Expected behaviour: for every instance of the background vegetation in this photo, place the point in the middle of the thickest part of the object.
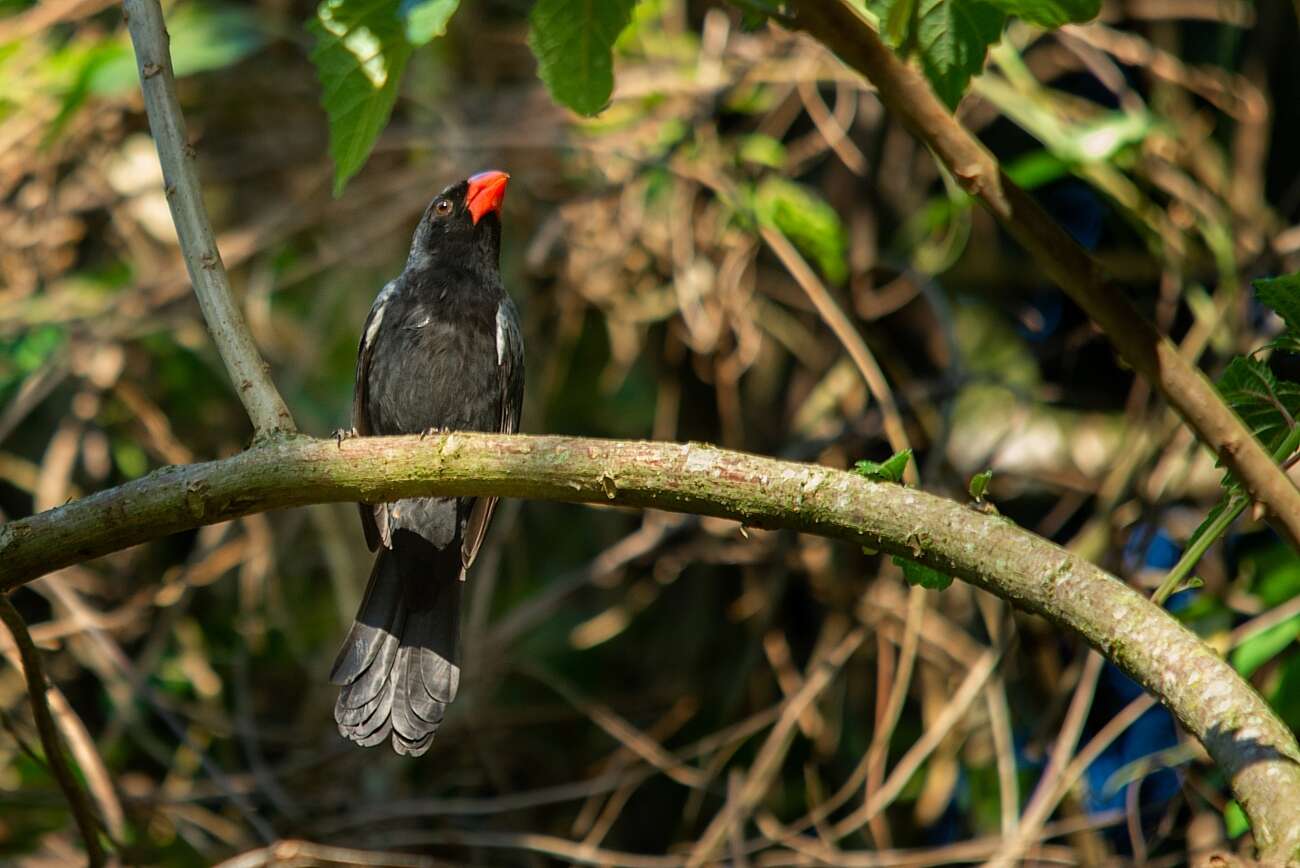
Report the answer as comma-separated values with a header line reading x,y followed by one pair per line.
x,y
624,671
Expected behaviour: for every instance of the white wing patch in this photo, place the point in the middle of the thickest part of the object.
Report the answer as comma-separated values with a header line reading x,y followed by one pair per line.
x,y
381,301
501,334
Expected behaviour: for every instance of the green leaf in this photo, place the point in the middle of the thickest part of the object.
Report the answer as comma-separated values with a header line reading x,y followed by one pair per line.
x,y
953,38
426,19
897,21
762,150
808,221
1259,398
754,13
1050,13
1234,820
360,54
1263,647
573,41
1286,342
890,470
1209,519
1285,696
920,574
979,484
1282,296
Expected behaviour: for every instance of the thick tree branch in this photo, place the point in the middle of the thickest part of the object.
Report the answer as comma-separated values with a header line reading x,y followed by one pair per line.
x,y
839,25
1255,749
247,370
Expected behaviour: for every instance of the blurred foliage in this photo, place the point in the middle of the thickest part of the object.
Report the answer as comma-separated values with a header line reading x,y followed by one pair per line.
x,y
597,640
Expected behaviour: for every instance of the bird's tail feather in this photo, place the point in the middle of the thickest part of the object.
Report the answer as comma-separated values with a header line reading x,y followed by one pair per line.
x,y
399,668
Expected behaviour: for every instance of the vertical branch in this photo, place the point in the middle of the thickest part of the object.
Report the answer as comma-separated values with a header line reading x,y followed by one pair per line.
x,y
50,741
265,408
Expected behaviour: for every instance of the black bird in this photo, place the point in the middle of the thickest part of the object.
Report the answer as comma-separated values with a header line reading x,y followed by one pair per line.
x,y
440,351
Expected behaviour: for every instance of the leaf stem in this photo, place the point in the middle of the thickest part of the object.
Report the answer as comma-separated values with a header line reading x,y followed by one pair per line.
x,y
1234,506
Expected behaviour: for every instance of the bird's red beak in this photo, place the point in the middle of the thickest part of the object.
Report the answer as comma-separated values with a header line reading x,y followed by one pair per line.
x,y
486,190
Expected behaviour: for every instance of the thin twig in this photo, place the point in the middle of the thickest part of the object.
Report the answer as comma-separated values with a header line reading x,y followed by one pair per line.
x,y
948,717
265,408
78,801
849,337
878,749
768,761
1045,798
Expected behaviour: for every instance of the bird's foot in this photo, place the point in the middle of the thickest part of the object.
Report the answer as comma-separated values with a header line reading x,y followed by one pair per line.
x,y
341,434
427,431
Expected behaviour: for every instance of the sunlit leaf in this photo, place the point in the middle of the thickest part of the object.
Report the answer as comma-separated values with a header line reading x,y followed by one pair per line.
x,y
762,150
808,221
1264,646
979,484
360,54
1234,820
573,41
889,470
426,19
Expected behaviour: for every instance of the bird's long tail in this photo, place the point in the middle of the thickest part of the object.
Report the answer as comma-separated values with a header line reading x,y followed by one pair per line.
x,y
399,668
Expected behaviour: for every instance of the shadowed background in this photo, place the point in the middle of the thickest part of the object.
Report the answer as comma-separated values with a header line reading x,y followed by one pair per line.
x,y
624,671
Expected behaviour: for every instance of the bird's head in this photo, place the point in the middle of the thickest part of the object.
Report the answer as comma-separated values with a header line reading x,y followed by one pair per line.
x,y
463,220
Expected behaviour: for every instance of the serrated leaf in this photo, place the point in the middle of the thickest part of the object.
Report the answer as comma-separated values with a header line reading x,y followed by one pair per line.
x,y
920,574
573,41
1259,398
1282,296
360,54
1050,13
808,221
889,470
953,39
1209,519
1287,342
426,19
979,484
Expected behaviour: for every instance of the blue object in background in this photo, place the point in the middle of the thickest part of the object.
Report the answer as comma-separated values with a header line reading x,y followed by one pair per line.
x,y
1077,208
1153,732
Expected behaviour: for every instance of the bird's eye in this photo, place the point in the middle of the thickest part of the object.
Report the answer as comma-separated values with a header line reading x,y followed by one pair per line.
x,y
442,207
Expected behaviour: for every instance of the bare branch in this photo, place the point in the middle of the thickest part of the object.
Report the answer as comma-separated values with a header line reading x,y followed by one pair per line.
x,y
78,802
1253,747
265,408
839,25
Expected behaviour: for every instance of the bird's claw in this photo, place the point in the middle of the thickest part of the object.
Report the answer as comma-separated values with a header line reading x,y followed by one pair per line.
x,y
341,434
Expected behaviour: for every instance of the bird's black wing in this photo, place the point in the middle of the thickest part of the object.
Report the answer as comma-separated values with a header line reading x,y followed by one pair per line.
x,y
370,514
510,367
